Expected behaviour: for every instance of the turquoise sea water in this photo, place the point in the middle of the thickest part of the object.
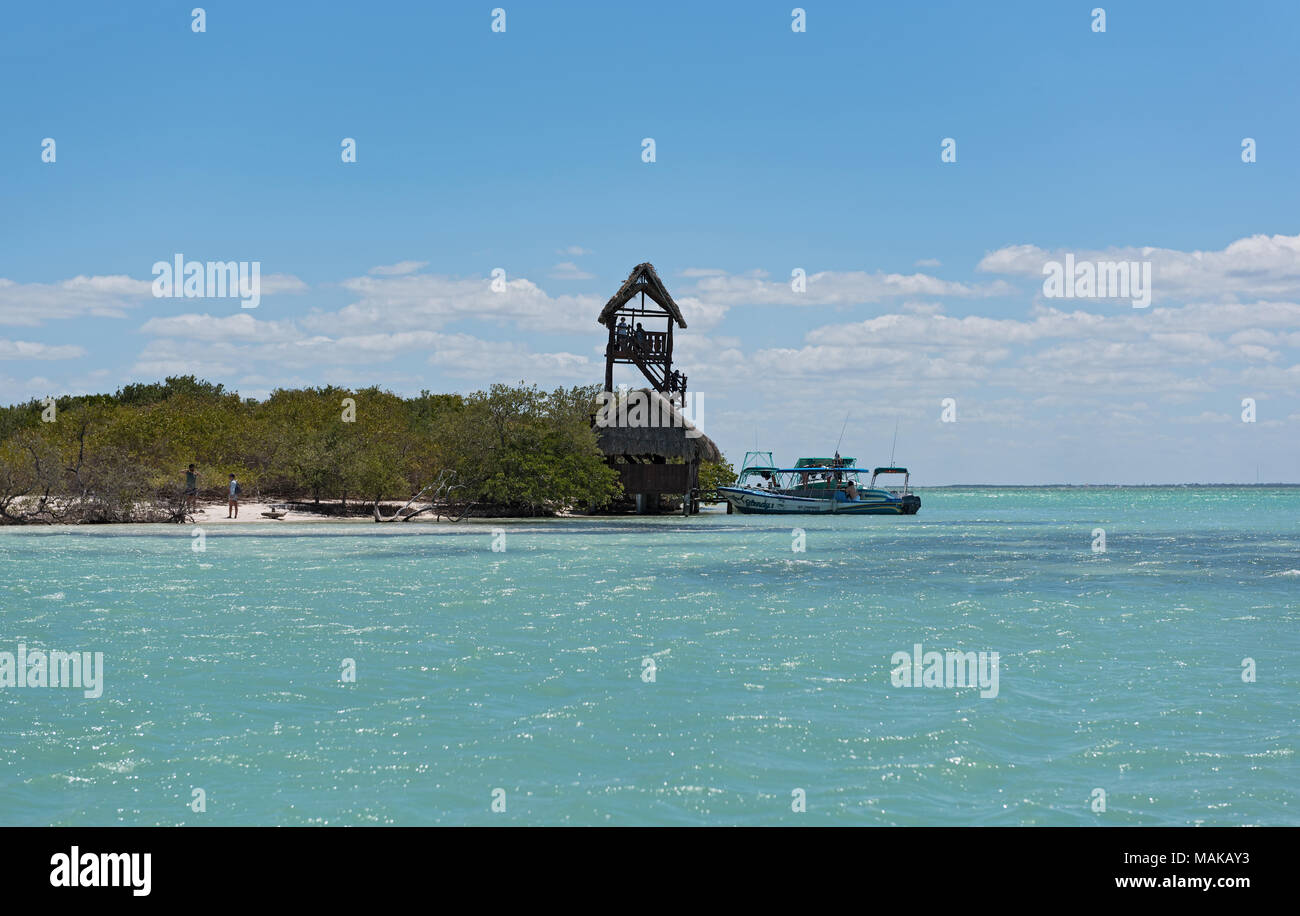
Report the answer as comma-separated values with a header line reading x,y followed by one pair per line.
x,y
521,670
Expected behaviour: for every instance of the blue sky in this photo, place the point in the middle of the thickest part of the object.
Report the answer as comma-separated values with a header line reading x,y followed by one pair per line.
x,y
774,151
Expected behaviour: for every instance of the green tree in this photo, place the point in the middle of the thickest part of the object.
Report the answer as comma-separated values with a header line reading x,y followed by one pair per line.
x,y
714,474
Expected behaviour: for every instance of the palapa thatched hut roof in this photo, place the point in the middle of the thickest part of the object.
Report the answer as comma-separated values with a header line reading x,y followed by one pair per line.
x,y
665,436
642,279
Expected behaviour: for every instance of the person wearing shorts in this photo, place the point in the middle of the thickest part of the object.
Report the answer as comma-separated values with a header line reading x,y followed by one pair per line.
x,y
232,506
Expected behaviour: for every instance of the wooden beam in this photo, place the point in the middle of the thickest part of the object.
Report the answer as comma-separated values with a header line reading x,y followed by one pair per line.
x,y
609,361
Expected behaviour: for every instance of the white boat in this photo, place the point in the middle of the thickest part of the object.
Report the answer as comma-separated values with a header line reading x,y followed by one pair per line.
x,y
816,486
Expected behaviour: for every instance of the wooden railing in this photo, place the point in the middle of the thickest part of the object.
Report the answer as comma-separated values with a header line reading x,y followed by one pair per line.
x,y
653,345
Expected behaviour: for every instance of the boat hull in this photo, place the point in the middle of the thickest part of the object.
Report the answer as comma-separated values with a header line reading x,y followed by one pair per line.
x,y
759,502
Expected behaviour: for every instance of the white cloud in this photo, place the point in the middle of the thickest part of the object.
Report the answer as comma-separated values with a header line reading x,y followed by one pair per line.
x,y
22,349
833,288
701,314
240,326
30,304
399,269
241,345
427,300
567,270
463,356
273,284
1077,357
1260,266
708,301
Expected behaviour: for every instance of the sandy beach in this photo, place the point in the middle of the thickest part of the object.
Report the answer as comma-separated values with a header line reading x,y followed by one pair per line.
x,y
215,514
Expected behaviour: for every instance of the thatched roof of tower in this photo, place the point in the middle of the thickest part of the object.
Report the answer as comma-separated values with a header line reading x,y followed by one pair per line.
x,y
664,436
643,278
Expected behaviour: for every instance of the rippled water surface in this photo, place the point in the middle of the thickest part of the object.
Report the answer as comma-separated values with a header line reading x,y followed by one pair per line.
x,y
522,670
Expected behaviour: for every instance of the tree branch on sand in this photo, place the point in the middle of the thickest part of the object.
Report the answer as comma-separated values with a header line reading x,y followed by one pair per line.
x,y
442,489
174,504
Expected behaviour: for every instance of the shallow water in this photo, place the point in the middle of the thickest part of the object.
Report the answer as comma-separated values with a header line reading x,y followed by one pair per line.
x,y
522,669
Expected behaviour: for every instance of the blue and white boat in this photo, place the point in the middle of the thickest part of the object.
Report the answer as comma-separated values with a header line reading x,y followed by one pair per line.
x,y
816,486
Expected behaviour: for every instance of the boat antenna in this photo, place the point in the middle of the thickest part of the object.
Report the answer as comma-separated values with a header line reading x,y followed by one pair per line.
x,y
842,428
895,442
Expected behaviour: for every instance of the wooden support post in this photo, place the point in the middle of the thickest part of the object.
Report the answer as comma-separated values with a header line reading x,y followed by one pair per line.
x,y
609,361
668,361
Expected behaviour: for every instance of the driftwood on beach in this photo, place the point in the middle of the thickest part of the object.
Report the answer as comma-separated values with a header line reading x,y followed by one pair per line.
x,y
442,488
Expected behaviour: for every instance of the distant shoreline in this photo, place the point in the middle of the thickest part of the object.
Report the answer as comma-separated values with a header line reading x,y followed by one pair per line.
x,y
214,513
1097,486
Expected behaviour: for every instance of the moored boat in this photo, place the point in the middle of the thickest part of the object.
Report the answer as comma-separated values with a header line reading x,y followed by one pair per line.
x,y
816,486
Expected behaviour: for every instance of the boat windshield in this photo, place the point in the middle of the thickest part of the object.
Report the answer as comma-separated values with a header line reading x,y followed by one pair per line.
x,y
759,476
882,471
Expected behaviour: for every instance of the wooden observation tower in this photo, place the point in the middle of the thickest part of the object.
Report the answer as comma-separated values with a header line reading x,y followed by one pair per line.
x,y
663,456
631,343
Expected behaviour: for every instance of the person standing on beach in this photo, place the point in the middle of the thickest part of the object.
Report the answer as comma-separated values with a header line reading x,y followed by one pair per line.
x,y
191,488
232,506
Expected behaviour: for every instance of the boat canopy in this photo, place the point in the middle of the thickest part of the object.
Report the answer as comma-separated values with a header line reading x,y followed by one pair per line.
x,y
803,463
813,469
890,471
